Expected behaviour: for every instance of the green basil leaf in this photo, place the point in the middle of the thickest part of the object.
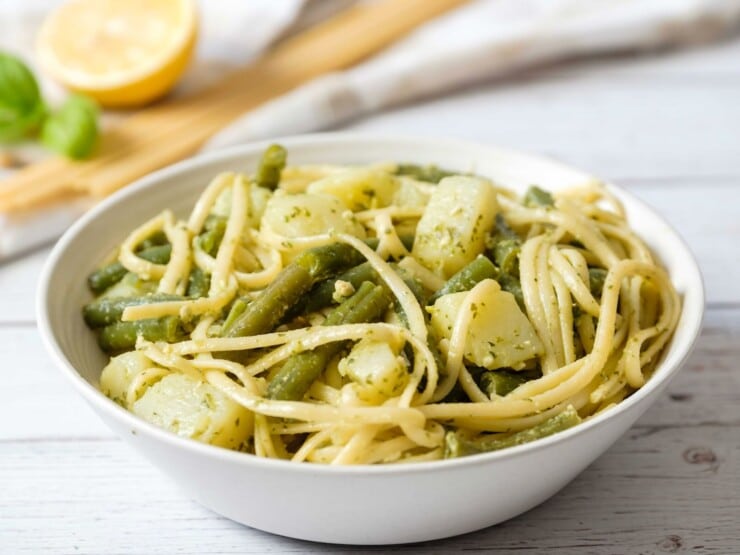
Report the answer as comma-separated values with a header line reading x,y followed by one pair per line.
x,y
73,129
14,126
21,106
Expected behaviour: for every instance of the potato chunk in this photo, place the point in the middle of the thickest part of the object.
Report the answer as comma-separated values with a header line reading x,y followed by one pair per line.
x,y
376,368
452,230
120,372
499,336
359,188
194,409
309,214
409,194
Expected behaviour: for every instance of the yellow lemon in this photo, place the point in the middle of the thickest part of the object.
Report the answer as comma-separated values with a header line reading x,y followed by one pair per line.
x,y
123,53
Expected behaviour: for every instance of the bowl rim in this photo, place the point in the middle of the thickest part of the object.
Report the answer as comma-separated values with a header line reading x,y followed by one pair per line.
x,y
103,404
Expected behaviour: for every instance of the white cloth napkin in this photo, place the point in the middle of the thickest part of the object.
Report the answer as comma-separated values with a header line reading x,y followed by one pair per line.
x,y
485,39
482,40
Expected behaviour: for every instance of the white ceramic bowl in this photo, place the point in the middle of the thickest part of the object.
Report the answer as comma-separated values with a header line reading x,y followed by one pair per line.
x,y
353,505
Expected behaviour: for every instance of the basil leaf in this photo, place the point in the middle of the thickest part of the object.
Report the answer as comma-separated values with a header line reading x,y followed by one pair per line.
x,y
73,129
21,106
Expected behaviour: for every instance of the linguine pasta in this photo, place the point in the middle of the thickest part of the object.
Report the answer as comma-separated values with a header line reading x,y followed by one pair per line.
x,y
379,314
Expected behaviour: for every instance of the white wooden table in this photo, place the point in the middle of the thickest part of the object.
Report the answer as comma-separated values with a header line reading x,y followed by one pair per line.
x,y
668,128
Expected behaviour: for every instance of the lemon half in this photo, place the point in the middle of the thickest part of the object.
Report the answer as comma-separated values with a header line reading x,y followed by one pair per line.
x,y
123,53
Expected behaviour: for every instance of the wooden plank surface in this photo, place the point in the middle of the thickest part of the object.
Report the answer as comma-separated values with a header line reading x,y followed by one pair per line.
x,y
664,126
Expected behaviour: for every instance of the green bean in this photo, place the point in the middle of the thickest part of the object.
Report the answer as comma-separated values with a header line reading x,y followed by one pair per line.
x,y
121,336
433,344
468,277
294,281
512,285
105,277
458,446
417,289
366,304
298,372
506,255
538,198
503,229
264,313
237,308
210,238
596,279
500,382
323,294
108,310
505,248
430,174
270,166
323,262
476,271
199,283
355,275
159,254
213,221
156,239
112,273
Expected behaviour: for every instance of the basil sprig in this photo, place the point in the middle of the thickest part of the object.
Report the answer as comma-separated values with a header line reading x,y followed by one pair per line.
x,y
21,106
71,130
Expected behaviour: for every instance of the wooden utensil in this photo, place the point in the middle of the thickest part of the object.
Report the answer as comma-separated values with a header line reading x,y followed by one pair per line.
x,y
167,132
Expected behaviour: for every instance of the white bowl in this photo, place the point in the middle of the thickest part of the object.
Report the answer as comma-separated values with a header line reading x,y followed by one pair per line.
x,y
365,504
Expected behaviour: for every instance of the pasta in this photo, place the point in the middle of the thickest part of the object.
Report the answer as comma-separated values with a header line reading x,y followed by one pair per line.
x,y
379,314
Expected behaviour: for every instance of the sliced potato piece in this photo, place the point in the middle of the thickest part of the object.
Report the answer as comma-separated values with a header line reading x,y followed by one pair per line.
x,y
452,230
499,336
194,409
309,214
409,194
120,372
376,368
359,188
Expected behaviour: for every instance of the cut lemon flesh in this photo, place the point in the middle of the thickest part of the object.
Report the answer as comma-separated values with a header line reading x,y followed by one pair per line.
x,y
120,52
